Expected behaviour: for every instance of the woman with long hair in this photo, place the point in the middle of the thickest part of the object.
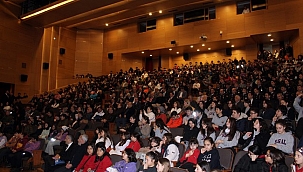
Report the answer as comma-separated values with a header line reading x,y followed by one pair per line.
x,y
123,143
298,164
103,136
129,162
160,128
87,160
258,136
210,154
206,130
229,135
145,128
102,160
150,163
275,161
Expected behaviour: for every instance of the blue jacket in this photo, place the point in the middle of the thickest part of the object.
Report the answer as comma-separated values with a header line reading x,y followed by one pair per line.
x,y
122,166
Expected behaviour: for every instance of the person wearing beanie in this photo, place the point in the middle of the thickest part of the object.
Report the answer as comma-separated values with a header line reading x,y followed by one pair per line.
x,y
298,163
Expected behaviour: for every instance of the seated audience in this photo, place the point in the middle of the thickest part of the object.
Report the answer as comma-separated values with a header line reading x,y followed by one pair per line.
x,y
206,130
145,128
102,160
123,143
160,128
169,148
229,136
189,158
135,143
202,166
210,154
87,160
175,120
128,164
298,164
56,140
219,119
103,136
275,161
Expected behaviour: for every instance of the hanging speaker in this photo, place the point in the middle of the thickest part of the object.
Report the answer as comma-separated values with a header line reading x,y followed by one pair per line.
x,y
62,51
23,78
110,55
45,65
185,56
228,51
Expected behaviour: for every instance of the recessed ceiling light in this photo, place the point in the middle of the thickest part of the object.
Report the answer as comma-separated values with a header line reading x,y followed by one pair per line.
x,y
106,24
227,42
150,55
198,49
232,45
150,14
191,46
160,11
177,52
54,37
170,49
269,35
142,52
203,45
209,48
271,40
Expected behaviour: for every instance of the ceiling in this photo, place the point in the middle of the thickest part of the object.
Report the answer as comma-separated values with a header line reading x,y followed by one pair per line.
x,y
94,14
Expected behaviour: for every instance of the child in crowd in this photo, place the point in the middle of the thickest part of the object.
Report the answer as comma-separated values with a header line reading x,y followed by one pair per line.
x,y
135,143
206,130
189,158
210,154
229,135
298,164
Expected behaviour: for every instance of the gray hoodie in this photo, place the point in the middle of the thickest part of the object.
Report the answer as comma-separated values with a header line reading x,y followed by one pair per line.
x,y
284,142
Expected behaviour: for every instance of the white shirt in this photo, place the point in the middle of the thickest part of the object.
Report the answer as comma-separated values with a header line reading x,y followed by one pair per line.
x,y
68,146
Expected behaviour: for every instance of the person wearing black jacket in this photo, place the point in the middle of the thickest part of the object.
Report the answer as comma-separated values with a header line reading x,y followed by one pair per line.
x,y
251,162
259,136
78,155
210,154
61,159
190,131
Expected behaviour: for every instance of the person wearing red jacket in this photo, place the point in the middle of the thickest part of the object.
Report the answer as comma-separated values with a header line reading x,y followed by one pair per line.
x,y
102,160
189,159
88,160
135,143
175,120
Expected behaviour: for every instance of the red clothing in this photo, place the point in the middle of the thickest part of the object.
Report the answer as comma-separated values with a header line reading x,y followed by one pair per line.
x,y
134,146
174,123
88,161
193,158
102,165
163,117
299,170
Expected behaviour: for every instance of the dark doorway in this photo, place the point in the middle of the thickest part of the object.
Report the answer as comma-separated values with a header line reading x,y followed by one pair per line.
x,y
5,87
149,64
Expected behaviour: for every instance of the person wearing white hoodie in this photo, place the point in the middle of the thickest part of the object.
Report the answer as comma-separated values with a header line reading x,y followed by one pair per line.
x,y
169,148
282,140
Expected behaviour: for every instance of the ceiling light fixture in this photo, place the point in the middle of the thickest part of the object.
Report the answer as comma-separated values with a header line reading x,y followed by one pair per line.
x,y
232,46
142,52
47,9
271,40
150,14
269,35
106,24
203,45
198,49
150,55
227,42
191,46
177,52
170,49
160,11
209,48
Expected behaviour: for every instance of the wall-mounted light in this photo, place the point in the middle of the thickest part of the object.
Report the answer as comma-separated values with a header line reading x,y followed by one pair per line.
x,y
221,32
150,14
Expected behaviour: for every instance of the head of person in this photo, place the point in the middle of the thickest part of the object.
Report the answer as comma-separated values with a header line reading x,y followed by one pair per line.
x,y
100,151
134,137
299,157
103,133
83,138
90,149
132,119
209,143
260,125
177,104
254,113
274,157
253,152
191,123
151,158
219,109
206,125
236,113
202,166
129,155
193,144
281,126
68,139
174,115
189,111
281,111
230,128
155,141
163,165
167,138
160,124
145,119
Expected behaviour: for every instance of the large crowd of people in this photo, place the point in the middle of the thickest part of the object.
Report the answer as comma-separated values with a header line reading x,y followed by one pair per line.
x,y
253,106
